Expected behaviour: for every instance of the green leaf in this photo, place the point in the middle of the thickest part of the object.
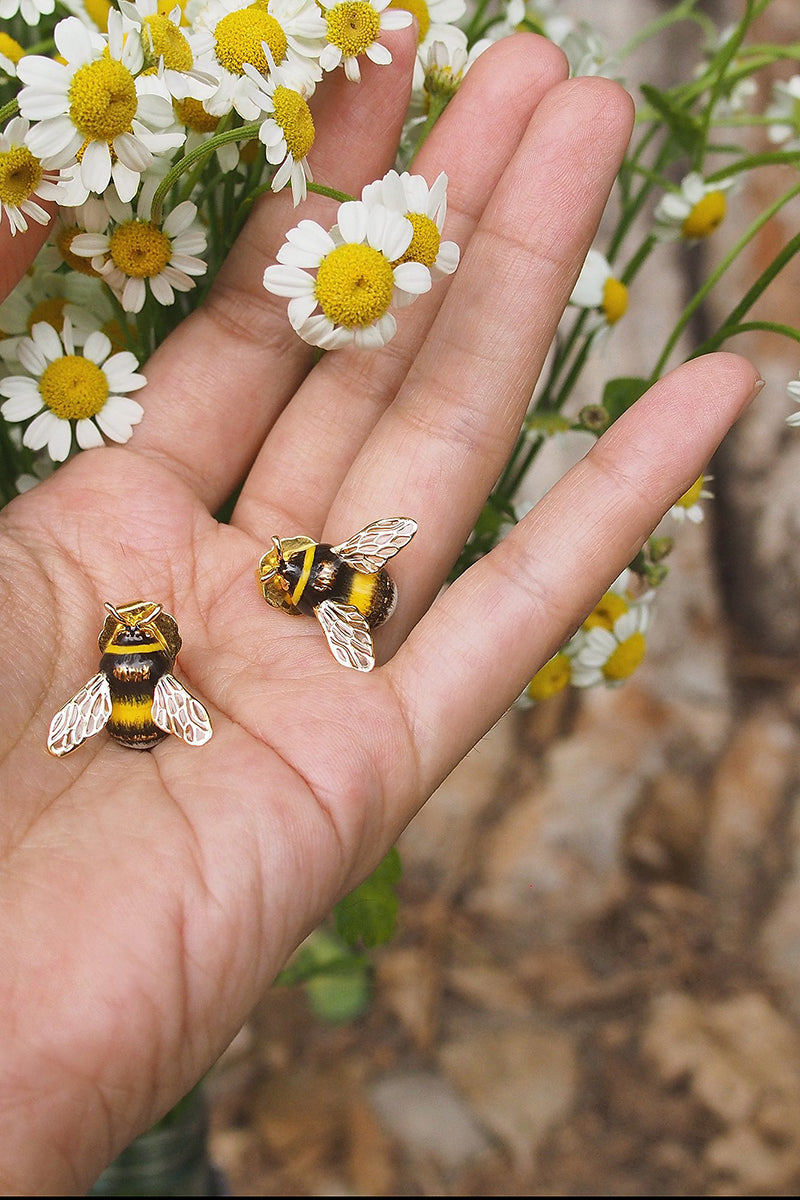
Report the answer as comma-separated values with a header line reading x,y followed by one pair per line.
x,y
369,913
685,128
619,394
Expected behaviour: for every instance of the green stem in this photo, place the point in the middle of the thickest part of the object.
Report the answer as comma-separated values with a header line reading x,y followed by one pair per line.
x,y
727,331
242,133
751,161
333,193
9,110
716,275
438,102
681,12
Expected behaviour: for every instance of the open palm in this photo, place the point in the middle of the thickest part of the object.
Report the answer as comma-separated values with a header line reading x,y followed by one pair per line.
x,y
148,899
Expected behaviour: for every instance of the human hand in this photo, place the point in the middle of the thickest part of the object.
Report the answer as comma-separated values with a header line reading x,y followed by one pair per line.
x,y
149,899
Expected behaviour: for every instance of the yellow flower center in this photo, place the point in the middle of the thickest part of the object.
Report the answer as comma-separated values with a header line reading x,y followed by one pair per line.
x,y
51,310
64,239
425,240
615,300
705,216
20,175
192,114
604,614
692,495
551,679
139,249
239,36
74,388
418,9
102,99
168,42
98,10
354,285
294,117
10,49
626,658
353,26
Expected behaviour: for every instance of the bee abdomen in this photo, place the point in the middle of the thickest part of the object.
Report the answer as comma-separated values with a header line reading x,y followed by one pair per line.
x,y
132,677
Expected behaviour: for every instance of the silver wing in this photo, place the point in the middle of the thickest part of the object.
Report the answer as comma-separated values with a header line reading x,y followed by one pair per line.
x,y
177,711
348,634
81,717
370,548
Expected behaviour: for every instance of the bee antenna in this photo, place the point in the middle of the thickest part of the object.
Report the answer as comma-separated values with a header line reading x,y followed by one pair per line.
x,y
157,610
277,544
117,615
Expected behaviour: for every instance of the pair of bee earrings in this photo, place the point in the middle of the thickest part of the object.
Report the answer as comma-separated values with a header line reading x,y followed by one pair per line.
x,y
139,701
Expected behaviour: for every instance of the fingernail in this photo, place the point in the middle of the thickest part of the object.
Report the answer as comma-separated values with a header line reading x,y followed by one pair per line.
x,y
757,386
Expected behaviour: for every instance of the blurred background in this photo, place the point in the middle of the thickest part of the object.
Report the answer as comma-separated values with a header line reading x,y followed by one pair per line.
x,y
594,987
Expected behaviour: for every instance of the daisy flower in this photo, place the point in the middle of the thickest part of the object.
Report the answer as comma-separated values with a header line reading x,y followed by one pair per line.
x,y
446,61
10,54
353,28
134,252
692,212
30,10
793,389
549,680
611,655
599,290
351,274
425,207
688,507
66,390
168,51
784,114
292,30
90,108
50,296
23,176
288,129
90,217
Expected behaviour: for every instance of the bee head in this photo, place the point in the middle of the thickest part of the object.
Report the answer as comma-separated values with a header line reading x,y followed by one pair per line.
x,y
139,623
272,566
271,571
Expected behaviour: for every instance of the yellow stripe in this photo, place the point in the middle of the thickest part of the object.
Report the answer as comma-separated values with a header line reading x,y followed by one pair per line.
x,y
142,649
304,574
362,591
132,711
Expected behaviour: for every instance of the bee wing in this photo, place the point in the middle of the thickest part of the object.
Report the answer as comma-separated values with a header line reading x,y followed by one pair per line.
x,y
370,548
81,717
177,711
348,634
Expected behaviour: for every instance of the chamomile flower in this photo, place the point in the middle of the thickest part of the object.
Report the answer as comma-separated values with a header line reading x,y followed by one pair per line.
x,y
783,114
23,179
549,680
67,391
10,54
287,132
31,11
692,212
688,507
425,207
611,654
135,253
51,296
445,62
341,282
598,289
170,52
353,29
90,107
292,30
793,389
90,217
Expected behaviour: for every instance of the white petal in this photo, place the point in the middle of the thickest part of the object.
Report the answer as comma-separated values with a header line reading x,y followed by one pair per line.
x,y
180,218
353,219
30,356
126,181
37,434
121,372
378,53
288,281
300,309
47,340
590,285
74,41
447,259
87,435
397,235
117,417
161,289
397,18
412,277
133,295
97,347
19,408
132,153
96,166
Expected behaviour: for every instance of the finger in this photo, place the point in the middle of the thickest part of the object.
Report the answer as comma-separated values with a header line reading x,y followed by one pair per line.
x,y
485,638
18,252
224,374
341,401
439,449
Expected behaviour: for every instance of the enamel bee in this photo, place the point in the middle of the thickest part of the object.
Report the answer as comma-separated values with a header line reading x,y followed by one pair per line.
x,y
345,587
134,696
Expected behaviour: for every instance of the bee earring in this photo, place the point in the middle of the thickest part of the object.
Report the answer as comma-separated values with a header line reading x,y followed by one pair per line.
x,y
133,695
345,587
